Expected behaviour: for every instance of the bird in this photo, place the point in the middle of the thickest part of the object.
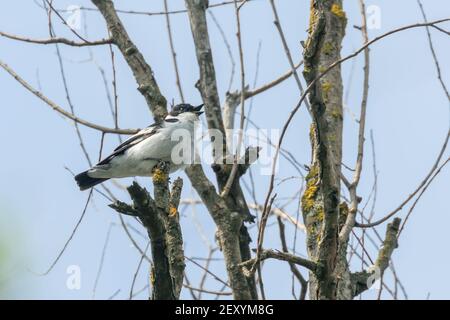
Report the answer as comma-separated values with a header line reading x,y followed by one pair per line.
x,y
138,155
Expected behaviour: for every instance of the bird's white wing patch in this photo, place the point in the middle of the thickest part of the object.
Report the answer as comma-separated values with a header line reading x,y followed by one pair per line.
x,y
132,141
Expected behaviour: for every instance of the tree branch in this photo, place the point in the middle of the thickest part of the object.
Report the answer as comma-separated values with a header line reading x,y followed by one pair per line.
x,y
174,236
232,233
148,214
56,40
207,84
60,110
272,254
228,224
322,196
359,280
350,221
161,219
141,70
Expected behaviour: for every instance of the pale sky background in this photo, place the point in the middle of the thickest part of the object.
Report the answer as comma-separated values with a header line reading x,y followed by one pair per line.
x,y
40,202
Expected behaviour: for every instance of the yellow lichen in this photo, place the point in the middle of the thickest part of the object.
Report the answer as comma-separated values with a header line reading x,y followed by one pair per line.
x,y
343,212
306,70
309,195
336,9
326,87
308,198
159,176
173,211
336,113
327,48
312,131
319,237
312,16
320,214
343,209
312,228
152,276
332,138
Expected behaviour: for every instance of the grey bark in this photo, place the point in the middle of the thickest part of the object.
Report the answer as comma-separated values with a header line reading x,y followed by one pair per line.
x,y
321,198
234,203
160,217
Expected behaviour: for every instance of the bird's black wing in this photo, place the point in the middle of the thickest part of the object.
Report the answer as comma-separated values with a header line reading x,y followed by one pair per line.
x,y
132,141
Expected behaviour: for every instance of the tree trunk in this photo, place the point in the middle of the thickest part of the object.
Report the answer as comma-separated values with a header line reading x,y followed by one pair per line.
x,y
321,199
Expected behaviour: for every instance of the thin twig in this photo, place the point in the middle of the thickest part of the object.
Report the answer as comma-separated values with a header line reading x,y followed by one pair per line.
x,y
66,244
227,45
272,254
219,293
421,194
172,50
205,274
56,40
71,106
352,188
294,270
211,273
102,260
226,189
287,50
60,110
137,271
313,82
65,22
160,13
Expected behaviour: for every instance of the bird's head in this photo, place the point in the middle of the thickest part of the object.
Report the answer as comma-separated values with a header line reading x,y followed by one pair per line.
x,y
184,108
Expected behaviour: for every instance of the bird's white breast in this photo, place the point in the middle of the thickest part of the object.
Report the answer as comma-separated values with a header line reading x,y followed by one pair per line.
x,y
142,157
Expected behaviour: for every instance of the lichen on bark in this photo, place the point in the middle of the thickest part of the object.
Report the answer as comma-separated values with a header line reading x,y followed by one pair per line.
x,y
321,199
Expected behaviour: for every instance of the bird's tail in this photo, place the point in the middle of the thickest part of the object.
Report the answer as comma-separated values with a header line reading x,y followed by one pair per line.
x,y
84,181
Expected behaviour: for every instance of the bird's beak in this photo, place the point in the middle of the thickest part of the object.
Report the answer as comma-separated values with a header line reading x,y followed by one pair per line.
x,y
197,109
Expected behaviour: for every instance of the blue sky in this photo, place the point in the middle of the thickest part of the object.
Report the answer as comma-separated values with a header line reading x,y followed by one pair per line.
x,y
40,203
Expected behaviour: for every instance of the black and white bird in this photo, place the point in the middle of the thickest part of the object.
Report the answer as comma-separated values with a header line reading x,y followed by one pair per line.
x,y
138,155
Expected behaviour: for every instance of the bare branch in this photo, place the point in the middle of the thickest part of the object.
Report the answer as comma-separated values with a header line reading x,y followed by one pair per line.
x,y
51,8
172,50
422,192
234,168
60,110
72,234
141,70
141,259
294,270
160,13
287,50
273,83
319,76
359,279
272,254
160,218
227,45
350,221
56,40
207,83
228,224
174,236
207,291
